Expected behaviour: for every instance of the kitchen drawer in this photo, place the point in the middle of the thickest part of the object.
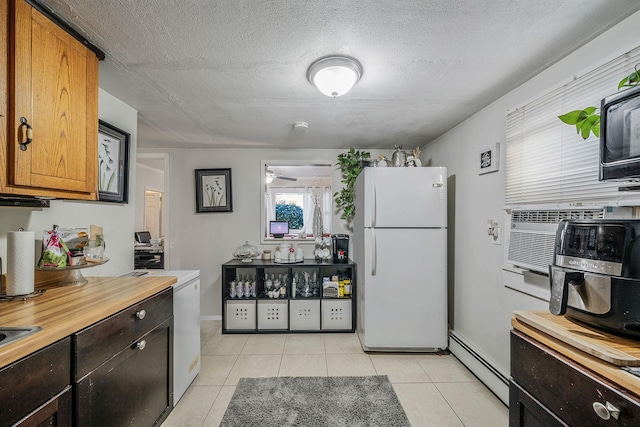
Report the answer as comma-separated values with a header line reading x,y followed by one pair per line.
x,y
34,380
305,315
96,343
566,388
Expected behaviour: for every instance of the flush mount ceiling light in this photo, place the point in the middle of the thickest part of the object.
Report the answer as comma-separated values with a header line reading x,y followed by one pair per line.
x,y
334,75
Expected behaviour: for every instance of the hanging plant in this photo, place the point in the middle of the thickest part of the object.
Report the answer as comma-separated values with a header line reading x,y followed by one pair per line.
x,y
587,121
351,164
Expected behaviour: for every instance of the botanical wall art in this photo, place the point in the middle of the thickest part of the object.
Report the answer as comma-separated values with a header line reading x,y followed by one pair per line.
x,y
113,163
213,190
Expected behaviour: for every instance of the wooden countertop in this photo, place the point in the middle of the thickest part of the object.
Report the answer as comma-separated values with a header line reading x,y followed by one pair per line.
x,y
608,370
64,310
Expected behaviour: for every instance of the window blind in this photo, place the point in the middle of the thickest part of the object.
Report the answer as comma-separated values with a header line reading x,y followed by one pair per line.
x,y
546,160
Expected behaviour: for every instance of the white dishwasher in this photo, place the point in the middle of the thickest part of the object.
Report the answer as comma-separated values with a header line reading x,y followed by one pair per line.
x,y
186,327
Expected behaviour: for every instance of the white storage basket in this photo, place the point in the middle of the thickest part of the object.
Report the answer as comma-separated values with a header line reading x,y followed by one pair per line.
x,y
305,315
241,315
273,314
336,314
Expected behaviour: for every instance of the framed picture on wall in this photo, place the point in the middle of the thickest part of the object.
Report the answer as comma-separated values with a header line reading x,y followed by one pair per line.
x,y
113,163
488,158
213,190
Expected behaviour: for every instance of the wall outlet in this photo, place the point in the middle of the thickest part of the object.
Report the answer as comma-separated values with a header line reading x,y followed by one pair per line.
x,y
497,236
494,232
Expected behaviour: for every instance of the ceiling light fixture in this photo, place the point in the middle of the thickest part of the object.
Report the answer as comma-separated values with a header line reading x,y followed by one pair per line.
x,y
334,75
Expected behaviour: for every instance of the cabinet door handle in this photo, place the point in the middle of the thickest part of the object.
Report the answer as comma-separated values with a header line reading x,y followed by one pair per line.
x,y
141,314
28,133
141,345
606,411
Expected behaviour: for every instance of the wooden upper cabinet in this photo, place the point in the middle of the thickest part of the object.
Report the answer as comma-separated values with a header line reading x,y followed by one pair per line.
x,y
53,92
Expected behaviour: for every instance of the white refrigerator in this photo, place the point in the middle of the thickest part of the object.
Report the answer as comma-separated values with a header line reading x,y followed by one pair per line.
x,y
400,248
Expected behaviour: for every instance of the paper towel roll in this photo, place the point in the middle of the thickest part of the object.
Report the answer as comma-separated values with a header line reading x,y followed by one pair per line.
x,y
20,262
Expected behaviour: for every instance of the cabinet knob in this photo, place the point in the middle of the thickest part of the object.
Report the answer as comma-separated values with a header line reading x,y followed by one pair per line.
x,y
606,411
141,314
28,133
141,345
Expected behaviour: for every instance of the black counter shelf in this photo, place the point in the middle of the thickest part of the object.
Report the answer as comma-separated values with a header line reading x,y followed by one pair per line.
x,y
261,314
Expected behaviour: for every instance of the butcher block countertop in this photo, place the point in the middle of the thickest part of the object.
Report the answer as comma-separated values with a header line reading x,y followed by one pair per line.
x,y
598,351
64,310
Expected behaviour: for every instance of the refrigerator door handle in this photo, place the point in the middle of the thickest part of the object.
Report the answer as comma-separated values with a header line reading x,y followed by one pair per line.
x,y
374,253
373,202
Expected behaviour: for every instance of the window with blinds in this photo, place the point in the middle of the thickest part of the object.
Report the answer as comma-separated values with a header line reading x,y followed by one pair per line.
x,y
546,160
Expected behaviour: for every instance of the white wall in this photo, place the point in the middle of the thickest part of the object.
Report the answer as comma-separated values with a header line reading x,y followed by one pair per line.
x,y
482,306
205,241
116,219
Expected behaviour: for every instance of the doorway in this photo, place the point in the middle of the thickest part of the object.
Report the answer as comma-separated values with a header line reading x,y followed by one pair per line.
x,y
153,212
152,197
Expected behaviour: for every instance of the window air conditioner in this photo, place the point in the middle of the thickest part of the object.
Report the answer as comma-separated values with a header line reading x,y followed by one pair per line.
x,y
532,233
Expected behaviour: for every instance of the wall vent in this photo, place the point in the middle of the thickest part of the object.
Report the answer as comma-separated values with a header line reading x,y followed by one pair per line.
x,y
532,233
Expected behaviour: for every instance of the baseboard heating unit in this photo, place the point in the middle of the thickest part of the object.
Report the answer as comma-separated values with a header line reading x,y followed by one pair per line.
x,y
496,380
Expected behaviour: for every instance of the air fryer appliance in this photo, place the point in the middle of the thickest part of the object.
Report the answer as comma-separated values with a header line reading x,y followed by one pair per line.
x,y
340,245
595,275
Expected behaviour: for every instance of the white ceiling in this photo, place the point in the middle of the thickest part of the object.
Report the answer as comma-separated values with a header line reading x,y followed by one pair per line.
x,y
232,73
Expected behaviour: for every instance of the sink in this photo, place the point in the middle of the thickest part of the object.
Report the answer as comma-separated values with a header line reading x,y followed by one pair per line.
x,y
9,335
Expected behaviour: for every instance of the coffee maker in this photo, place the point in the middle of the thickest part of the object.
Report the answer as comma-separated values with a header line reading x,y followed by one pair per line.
x,y
340,246
595,275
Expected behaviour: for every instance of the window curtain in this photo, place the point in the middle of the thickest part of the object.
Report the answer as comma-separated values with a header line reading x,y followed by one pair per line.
x,y
326,208
307,214
269,207
546,161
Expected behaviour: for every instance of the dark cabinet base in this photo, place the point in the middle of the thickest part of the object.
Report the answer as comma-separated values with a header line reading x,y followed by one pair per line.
x,y
551,389
526,411
134,388
30,388
57,412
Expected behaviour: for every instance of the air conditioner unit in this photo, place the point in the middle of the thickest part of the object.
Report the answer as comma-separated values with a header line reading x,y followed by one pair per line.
x,y
532,233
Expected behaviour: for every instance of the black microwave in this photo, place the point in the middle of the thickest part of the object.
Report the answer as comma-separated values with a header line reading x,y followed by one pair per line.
x,y
620,136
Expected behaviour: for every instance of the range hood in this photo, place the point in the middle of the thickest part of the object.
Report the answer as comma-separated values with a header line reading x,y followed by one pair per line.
x,y
29,202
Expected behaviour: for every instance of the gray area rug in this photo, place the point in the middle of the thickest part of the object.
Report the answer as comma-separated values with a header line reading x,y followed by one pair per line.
x,y
315,401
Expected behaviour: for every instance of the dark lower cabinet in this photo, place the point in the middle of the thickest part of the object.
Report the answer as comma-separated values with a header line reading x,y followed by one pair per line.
x,y
131,389
57,412
116,372
36,390
550,389
525,410
123,373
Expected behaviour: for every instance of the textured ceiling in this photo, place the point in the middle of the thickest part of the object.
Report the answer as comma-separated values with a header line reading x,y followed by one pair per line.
x,y
232,73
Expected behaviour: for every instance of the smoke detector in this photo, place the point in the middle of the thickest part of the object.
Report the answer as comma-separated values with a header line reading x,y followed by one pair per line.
x,y
301,126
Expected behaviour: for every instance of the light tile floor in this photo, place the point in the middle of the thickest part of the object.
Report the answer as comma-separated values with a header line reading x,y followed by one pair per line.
x,y
434,390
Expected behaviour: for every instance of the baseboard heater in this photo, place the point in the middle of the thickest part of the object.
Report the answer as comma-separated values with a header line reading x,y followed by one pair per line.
x,y
486,372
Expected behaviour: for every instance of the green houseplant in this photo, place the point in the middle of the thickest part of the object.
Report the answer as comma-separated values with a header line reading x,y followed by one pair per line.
x,y
587,121
351,164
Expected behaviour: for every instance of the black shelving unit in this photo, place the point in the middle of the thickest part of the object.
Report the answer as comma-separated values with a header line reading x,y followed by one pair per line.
x,y
286,313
